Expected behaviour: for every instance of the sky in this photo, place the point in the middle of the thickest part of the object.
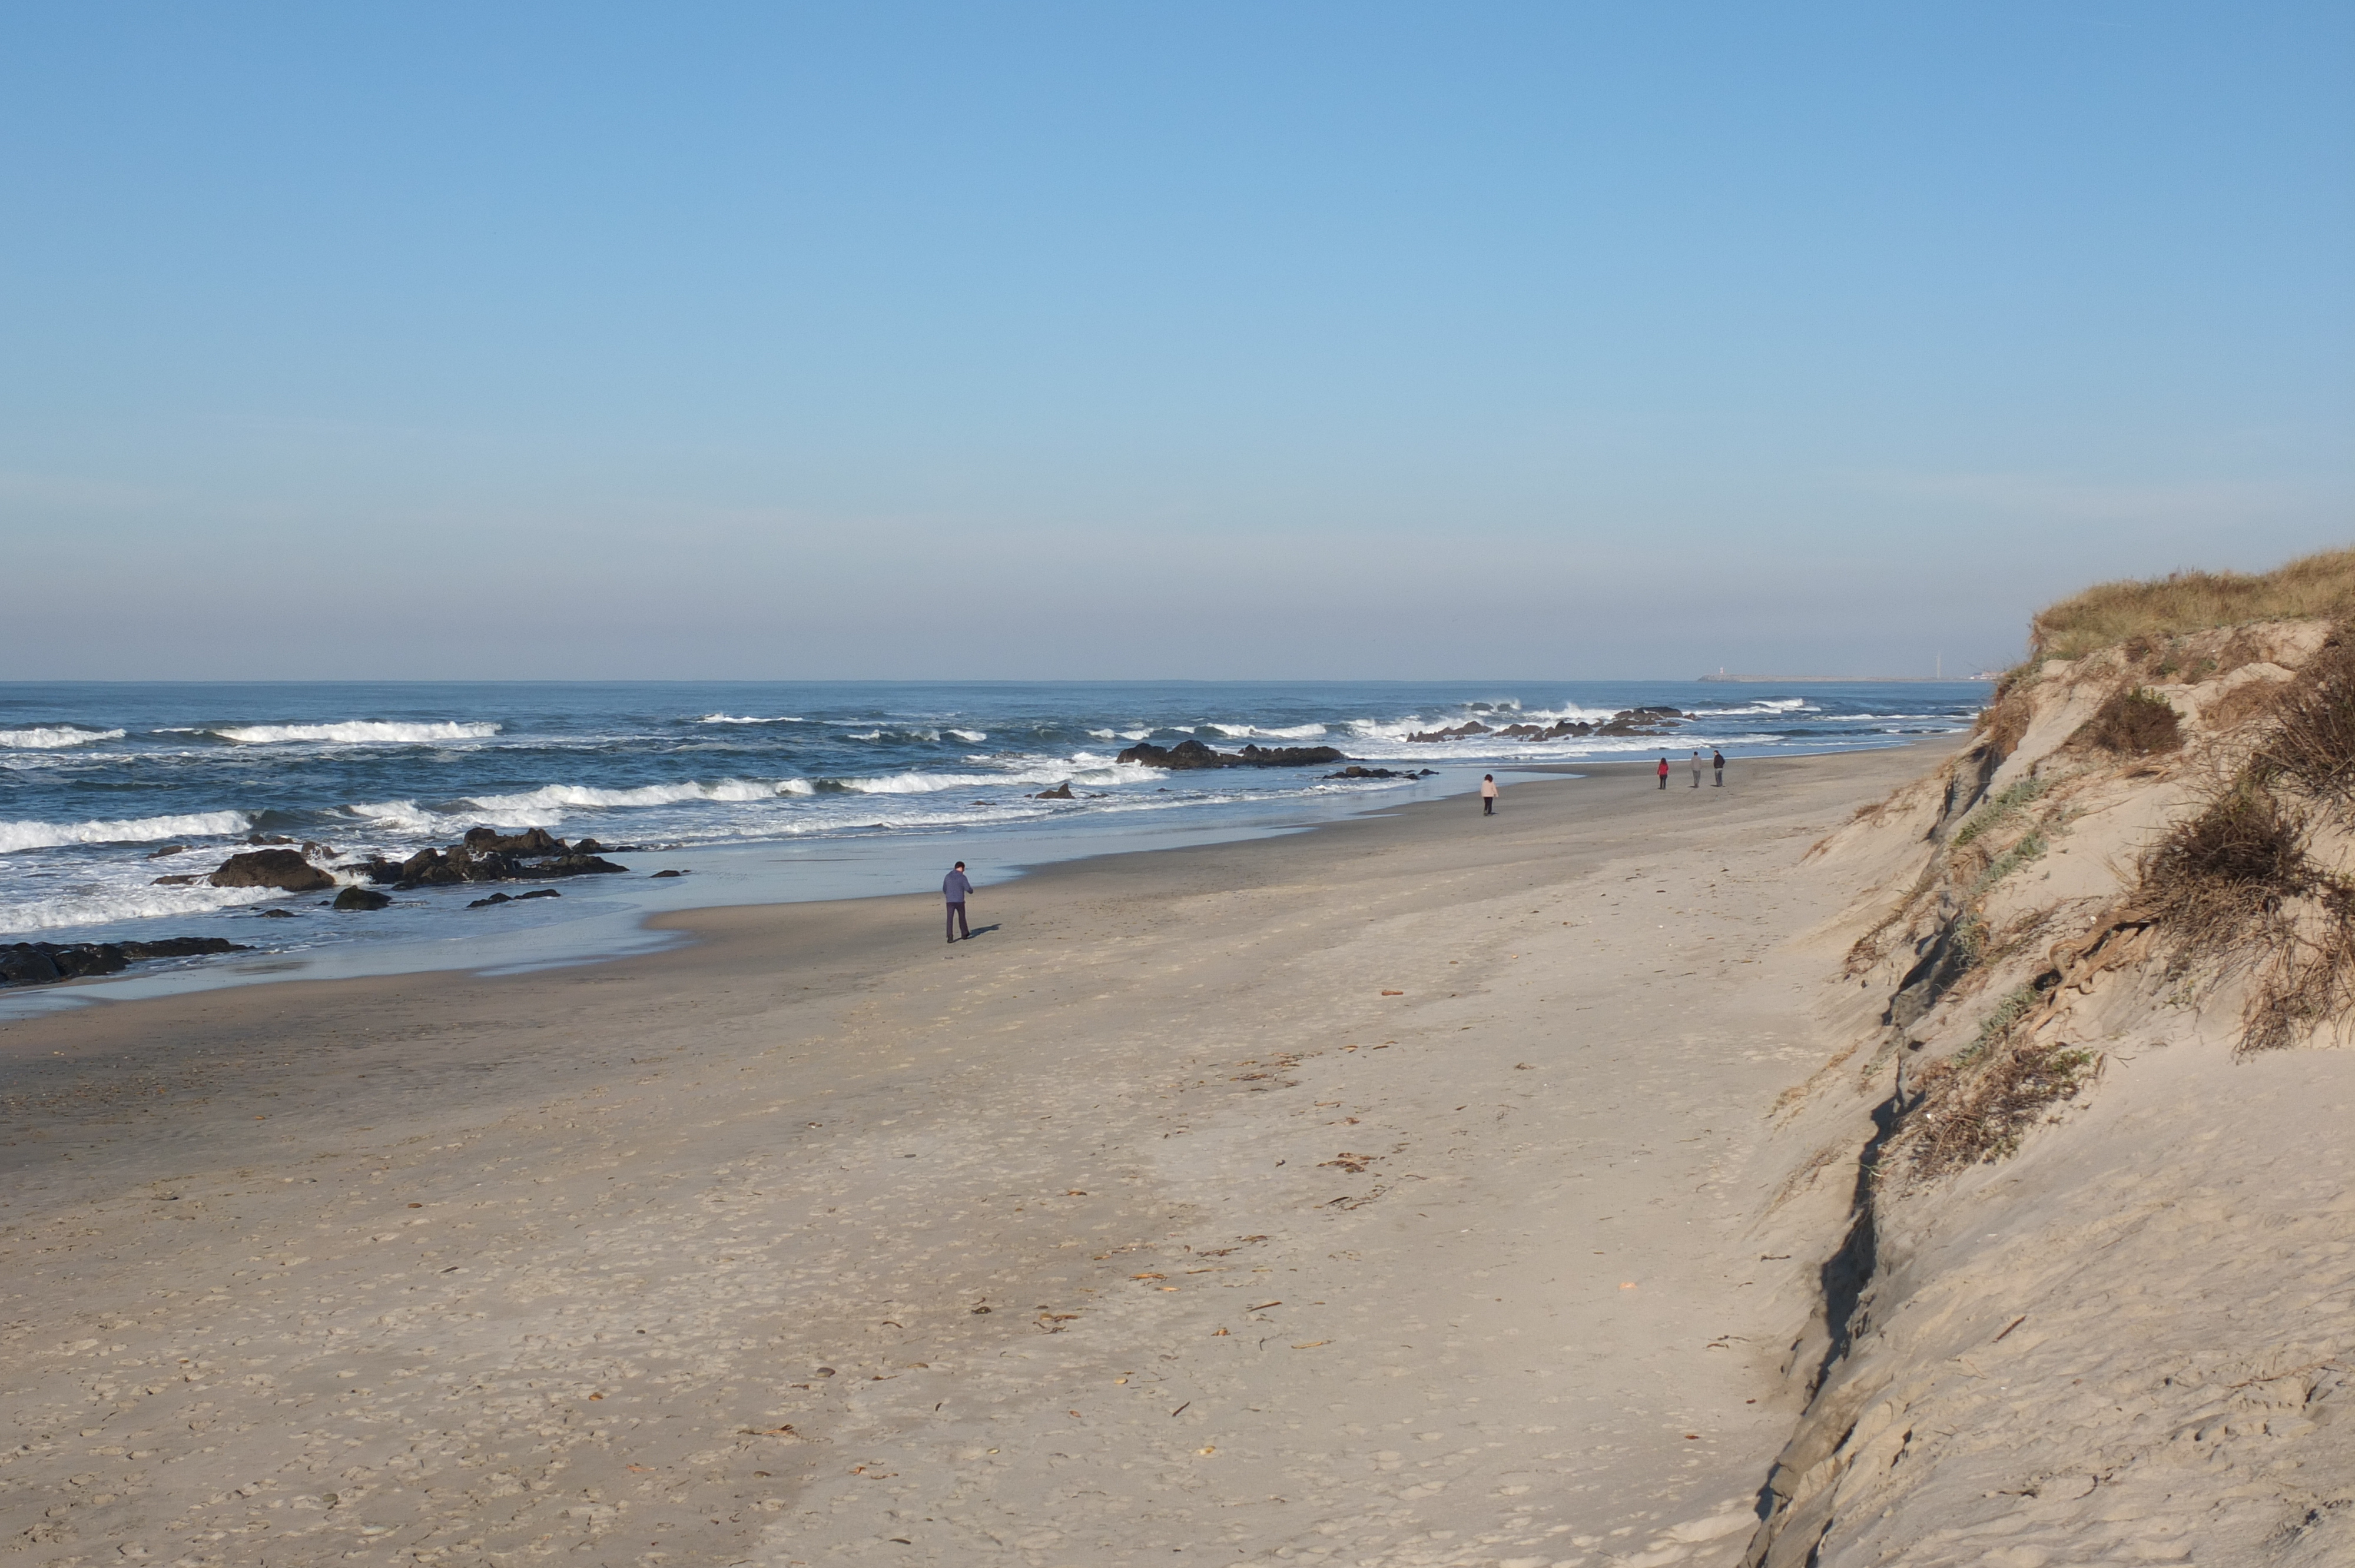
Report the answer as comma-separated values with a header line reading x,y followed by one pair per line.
x,y
1152,340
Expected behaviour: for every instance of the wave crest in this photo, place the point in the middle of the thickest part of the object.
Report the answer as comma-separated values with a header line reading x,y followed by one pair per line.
x,y
355,732
45,737
121,830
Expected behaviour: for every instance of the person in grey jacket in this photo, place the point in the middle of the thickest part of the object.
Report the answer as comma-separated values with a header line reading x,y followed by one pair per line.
x,y
955,887
1696,770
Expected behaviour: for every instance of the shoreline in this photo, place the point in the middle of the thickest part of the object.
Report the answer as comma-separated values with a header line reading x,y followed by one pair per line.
x,y
624,919
1161,1097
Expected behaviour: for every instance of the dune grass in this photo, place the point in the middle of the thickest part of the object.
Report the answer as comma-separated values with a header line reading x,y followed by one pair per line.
x,y
2319,586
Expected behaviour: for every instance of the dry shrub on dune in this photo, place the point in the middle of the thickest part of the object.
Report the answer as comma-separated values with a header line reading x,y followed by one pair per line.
x,y
2312,746
1979,1109
2134,722
2315,586
2215,876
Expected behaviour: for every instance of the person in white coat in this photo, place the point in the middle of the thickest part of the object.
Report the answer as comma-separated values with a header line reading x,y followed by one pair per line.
x,y
1487,794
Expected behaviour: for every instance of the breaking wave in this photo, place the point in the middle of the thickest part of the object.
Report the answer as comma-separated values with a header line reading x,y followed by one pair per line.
x,y
121,830
355,732
41,737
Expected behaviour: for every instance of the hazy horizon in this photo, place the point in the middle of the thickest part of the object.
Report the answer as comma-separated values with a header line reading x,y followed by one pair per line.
x,y
1235,343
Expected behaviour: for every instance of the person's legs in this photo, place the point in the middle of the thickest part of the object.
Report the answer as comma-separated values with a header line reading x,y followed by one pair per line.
x,y
1488,806
963,930
955,914
1720,778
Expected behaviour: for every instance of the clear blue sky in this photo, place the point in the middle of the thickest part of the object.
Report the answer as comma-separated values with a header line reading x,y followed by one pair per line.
x,y
1126,340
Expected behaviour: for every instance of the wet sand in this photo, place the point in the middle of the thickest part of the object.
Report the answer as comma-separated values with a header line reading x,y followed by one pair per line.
x,y
1383,1194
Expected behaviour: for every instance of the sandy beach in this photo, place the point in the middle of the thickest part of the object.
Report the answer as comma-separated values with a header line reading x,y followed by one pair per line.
x,y
1387,1194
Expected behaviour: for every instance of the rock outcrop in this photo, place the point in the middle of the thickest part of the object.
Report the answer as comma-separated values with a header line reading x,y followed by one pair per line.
x,y
1651,720
361,898
44,963
283,869
1192,755
1356,770
486,855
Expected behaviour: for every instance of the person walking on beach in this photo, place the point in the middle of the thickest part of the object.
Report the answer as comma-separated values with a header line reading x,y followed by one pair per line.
x,y
1695,767
954,888
1487,794
1717,761
1664,772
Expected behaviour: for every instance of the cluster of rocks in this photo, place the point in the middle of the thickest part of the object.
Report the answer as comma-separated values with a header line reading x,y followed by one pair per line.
x,y
504,898
1626,721
486,855
1356,771
43,963
1193,754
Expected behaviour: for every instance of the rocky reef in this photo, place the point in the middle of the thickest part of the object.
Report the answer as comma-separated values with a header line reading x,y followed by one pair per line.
x,y
45,963
1192,754
1626,721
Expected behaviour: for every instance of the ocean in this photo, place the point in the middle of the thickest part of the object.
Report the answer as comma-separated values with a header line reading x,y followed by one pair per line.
x,y
774,791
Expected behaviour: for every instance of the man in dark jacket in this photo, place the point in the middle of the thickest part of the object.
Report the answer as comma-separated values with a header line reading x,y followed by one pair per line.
x,y
954,888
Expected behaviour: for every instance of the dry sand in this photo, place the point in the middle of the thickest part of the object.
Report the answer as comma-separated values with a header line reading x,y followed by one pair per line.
x,y
1149,1227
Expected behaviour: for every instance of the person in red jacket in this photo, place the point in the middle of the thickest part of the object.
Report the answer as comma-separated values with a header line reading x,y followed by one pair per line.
x,y
1664,772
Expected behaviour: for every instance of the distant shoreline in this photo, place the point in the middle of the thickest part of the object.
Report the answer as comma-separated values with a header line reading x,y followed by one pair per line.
x,y
1844,680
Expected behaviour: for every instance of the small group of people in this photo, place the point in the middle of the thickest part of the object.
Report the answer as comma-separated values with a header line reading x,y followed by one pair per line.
x,y
1716,764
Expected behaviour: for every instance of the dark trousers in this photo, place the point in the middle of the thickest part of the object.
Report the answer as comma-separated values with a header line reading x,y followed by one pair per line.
x,y
1720,778
1488,805
957,926
1664,780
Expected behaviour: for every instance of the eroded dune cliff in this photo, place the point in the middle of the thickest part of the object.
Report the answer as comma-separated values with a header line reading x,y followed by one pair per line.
x,y
2087,1138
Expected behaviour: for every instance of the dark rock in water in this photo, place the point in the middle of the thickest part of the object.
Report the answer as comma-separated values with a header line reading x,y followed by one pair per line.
x,y
167,849
1059,792
277,914
532,856
486,903
1192,754
284,869
378,869
659,875
25,964
360,898
1355,772
268,838
42,963
180,881
317,851
181,948
532,841
538,893
591,846
1469,727
1641,721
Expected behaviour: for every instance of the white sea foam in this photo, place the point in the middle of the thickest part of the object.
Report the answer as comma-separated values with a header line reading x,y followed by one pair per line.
x,y
43,737
1775,705
559,796
121,830
970,737
104,907
1256,732
739,718
355,732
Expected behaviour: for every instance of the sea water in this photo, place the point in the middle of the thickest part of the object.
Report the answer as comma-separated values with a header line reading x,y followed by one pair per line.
x,y
767,791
